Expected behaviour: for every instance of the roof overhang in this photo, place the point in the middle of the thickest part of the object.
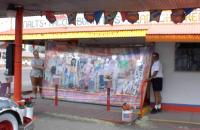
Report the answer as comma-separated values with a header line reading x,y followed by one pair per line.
x,y
183,32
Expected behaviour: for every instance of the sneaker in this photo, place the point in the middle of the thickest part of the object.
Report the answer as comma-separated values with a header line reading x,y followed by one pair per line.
x,y
154,111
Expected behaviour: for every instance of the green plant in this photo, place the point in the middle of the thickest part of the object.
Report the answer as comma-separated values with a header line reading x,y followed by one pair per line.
x,y
21,105
29,102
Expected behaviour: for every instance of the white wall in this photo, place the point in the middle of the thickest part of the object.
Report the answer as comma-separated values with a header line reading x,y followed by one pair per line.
x,y
178,87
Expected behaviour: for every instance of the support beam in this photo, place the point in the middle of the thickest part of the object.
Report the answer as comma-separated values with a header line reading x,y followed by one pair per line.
x,y
18,54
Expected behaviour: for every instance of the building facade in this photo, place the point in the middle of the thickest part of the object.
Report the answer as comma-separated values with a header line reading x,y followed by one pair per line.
x,y
180,90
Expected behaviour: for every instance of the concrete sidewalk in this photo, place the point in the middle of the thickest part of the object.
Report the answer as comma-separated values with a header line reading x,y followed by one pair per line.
x,y
79,110
98,113
176,117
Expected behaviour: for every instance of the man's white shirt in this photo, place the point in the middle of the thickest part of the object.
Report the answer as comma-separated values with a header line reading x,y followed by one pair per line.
x,y
157,66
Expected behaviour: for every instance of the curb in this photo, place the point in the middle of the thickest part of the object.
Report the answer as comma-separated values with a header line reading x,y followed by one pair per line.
x,y
88,119
175,121
79,118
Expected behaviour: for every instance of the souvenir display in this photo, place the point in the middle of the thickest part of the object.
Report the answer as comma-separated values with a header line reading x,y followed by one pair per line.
x,y
83,72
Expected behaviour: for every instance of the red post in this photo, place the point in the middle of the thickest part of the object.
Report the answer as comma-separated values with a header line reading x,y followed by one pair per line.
x,y
108,99
18,54
56,95
108,86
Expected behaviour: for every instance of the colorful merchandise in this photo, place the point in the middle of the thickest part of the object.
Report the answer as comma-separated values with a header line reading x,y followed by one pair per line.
x,y
83,70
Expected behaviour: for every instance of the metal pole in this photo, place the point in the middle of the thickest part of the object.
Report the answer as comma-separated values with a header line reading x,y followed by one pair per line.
x,y
108,99
56,96
18,54
108,85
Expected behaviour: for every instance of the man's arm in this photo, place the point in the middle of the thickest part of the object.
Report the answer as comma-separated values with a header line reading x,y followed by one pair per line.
x,y
153,76
36,66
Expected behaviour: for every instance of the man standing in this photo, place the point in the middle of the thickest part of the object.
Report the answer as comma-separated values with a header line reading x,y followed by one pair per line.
x,y
37,73
157,81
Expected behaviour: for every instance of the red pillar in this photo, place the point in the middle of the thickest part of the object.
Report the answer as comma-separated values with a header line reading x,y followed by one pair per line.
x,y
56,96
108,99
18,54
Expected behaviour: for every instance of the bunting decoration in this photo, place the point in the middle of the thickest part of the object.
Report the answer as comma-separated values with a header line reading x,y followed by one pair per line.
x,y
89,17
132,17
98,15
72,17
155,15
50,16
109,17
123,15
187,11
178,15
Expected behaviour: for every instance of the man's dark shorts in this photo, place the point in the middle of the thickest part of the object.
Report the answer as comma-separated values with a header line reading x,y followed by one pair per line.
x,y
157,84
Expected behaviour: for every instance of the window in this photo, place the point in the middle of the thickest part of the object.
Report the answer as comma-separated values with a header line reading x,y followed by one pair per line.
x,y
187,57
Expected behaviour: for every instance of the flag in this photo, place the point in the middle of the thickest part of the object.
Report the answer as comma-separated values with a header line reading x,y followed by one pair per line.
x,y
132,17
89,16
50,16
178,15
72,18
178,12
109,17
123,15
155,15
98,15
187,11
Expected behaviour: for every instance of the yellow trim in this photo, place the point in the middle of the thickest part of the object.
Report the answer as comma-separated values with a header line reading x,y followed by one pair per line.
x,y
66,35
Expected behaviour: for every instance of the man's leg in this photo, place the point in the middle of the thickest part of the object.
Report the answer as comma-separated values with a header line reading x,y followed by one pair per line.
x,y
154,110
158,97
40,85
154,85
158,100
34,86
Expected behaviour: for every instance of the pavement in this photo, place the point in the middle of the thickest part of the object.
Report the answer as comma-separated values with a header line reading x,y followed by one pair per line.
x,y
99,113
82,111
176,117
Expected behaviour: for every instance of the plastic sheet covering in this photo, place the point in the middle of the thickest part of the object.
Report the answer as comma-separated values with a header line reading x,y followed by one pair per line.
x,y
82,73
